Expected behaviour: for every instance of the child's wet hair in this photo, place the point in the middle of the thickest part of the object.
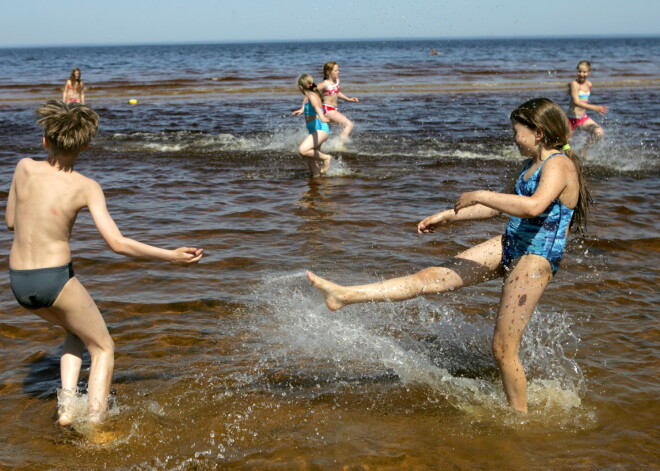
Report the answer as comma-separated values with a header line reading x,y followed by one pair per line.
x,y
546,116
68,126
306,82
327,68
587,63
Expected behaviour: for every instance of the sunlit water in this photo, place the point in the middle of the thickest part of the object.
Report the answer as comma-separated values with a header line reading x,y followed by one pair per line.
x,y
236,363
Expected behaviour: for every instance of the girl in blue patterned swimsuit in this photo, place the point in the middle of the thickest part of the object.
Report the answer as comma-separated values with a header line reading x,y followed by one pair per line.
x,y
548,196
317,125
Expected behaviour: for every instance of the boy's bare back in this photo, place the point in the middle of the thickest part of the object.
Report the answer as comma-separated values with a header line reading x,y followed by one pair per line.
x,y
46,203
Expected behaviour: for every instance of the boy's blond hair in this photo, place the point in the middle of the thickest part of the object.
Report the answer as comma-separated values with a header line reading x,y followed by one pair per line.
x,y
68,126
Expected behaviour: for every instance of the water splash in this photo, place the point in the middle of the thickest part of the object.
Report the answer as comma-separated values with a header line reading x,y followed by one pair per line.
x,y
422,343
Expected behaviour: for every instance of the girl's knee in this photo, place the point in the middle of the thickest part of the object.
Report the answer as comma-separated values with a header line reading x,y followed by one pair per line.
x,y
503,349
428,275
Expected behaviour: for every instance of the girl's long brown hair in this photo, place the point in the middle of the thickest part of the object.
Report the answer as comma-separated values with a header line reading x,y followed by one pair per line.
x,y
76,82
546,116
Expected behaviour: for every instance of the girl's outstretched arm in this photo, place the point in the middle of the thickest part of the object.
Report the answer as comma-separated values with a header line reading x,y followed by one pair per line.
x,y
300,110
130,247
431,223
554,178
344,97
575,89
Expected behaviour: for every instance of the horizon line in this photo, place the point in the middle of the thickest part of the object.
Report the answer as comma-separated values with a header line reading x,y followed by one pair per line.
x,y
266,41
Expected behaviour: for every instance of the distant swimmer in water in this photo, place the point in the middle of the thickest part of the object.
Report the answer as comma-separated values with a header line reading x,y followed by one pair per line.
x,y
580,92
317,125
547,198
44,200
74,88
433,52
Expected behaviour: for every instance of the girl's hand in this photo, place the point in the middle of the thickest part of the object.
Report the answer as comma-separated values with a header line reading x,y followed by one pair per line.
x,y
466,200
186,255
430,223
324,119
602,109
296,112
354,99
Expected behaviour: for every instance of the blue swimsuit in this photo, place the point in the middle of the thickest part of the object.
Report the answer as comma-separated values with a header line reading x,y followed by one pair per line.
x,y
543,235
317,124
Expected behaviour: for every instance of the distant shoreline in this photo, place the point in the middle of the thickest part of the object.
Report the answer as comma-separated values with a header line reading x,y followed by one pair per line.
x,y
323,41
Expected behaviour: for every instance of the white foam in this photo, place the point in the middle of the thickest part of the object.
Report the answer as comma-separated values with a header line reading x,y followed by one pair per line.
x,y
358,340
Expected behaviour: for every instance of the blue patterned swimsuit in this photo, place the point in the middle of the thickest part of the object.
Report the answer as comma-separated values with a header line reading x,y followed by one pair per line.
x,y
543,235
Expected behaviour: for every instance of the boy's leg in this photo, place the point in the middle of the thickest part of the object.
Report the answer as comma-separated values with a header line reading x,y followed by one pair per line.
x,y
71,361
478,264
77,312
521,291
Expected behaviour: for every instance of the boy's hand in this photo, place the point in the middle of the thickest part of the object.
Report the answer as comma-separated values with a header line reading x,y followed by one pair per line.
x,y
186,255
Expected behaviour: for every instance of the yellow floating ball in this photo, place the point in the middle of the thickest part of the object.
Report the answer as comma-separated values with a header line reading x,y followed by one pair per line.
x,y
132,101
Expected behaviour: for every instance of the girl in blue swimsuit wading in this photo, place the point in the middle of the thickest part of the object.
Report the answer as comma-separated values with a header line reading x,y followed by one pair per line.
x,y
317,125
548,196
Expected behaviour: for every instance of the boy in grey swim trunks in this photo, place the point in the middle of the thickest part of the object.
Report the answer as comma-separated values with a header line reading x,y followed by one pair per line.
x,y
44,200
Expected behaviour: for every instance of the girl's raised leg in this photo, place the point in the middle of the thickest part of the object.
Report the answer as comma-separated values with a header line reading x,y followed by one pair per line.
x,y
347,124
478,264
596,133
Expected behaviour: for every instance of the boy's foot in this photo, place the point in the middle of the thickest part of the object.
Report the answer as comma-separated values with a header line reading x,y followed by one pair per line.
x,y
64,420
329,290
66,399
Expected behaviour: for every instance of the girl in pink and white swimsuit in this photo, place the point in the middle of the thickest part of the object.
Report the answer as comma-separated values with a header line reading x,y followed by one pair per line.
x,y
579,91
331,92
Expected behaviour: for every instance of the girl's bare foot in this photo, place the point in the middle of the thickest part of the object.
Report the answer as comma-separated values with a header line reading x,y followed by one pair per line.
x,y
329,290
325,165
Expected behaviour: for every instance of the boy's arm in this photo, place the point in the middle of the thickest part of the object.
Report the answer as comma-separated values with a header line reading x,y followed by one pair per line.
x,y
129,247
10,211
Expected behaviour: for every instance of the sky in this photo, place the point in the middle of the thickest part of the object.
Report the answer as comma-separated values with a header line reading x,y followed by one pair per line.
x,y
69,22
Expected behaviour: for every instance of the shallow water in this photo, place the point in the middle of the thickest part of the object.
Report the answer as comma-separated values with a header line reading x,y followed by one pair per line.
x,y
235,363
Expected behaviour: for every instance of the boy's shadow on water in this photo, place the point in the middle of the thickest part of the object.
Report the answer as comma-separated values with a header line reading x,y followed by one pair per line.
x,y
43,378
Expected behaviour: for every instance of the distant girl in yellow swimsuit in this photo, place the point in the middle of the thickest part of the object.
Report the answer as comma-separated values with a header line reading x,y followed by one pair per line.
x,y
74,88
